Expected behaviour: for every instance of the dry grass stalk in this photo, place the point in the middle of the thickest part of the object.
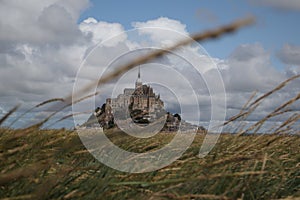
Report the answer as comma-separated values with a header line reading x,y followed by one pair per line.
x,y
21,173
191,196
207,177
36,106
247,110
8,114
49,101
242,112
21,197
290,121
279,87
61,108
276,112
69,116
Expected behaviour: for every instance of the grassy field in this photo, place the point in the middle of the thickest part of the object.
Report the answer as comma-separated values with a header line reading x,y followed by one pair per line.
x,y
53,164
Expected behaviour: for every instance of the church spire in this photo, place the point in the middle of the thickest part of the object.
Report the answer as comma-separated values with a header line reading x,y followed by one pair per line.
x,y
139,75
138,82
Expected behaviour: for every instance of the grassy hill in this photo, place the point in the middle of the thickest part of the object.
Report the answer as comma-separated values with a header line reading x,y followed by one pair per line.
x,y
53,164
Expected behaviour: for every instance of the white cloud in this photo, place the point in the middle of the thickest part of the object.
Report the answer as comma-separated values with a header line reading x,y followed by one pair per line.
x,y
249,69
74,7
40,22
100,31
290,54
161,30
162,22
42,48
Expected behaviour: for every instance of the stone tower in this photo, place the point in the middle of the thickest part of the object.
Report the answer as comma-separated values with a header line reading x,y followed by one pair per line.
x,y
138,82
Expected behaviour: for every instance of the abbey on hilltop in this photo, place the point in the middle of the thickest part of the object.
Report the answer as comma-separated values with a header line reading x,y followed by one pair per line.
x,y
139,105
140,98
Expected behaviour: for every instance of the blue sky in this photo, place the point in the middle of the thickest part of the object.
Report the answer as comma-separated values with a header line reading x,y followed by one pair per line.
x,y
274,27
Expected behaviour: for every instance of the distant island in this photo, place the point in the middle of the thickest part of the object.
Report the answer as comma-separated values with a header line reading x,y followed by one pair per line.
x,y
139,105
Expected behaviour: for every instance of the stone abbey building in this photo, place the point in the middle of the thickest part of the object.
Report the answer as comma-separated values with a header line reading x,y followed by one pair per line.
x,y
141,98
139,105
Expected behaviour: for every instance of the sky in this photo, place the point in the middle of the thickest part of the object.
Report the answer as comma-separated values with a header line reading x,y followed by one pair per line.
x,y
276,22
44,43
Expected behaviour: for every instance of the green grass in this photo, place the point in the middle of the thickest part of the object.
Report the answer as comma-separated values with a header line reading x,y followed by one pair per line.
x,y
53,164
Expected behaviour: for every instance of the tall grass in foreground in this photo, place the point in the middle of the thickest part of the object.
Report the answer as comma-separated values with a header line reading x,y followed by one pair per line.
x,y
53,164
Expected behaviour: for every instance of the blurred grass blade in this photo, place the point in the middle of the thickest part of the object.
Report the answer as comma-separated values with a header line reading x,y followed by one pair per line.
x,y
8,114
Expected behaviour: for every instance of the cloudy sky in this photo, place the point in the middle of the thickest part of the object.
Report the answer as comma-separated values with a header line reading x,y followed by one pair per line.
x,y
43,45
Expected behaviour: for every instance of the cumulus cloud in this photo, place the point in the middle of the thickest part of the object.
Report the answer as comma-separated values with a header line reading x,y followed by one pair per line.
x,y
40,22
99,31
55,21
290,54
162,22
249,69
161,35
